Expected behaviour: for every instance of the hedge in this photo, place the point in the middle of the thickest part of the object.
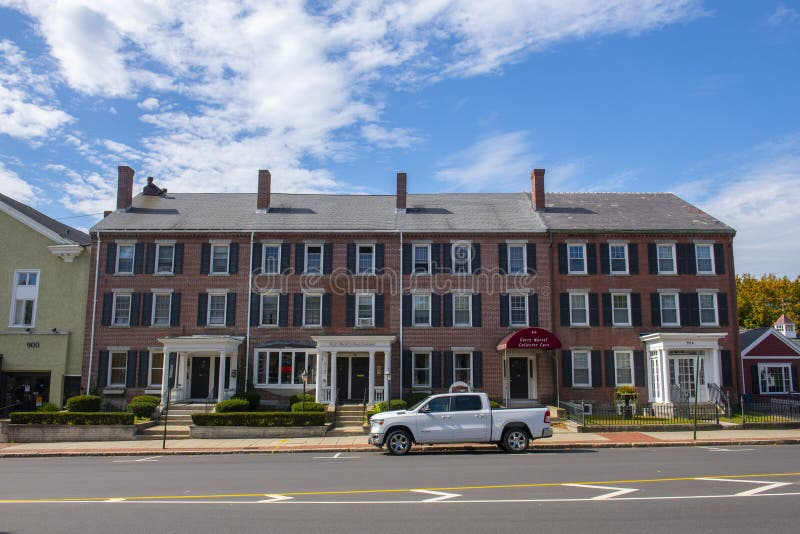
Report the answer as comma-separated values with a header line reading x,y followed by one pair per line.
x,y
84,403
259,419
71,418
397,404
308,406
47,407
148,399
253,399
233,405
294,399
141,408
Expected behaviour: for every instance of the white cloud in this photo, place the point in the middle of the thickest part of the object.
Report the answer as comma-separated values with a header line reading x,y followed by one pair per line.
x,y
388,137
783,15
148,104
15,187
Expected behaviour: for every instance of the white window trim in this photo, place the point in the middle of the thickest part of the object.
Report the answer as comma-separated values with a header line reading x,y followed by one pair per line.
x,y
414,368
589,368
700,308
674,259
227,270
777,364
471,365
156,272
586,308
462,244
305,300
524,248
157,294
121,244
358,259
628,300
321,258
150,367
616,369
111,368
261,309
264,248
372,313
627,258
414,258
585,259
208,310
414,309
279,351
14,298
469,306
677,308
114,308
510,309
697,259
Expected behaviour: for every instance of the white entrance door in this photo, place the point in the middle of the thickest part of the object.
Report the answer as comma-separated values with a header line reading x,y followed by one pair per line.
x,y
684,373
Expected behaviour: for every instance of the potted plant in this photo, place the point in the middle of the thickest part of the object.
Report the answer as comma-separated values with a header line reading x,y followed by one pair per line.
x,y
626,394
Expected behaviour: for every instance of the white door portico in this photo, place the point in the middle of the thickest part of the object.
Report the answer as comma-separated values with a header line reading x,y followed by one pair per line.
x,y
681,358
213,353
332,348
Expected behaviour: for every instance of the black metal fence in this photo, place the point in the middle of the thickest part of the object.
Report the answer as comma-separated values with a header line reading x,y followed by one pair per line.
x,y
772,410
618,414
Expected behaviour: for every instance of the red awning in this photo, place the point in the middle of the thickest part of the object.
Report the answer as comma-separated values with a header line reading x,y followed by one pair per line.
x,y
530,338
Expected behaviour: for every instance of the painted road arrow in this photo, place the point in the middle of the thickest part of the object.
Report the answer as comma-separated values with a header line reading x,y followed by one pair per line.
x,y
276,498
755,491
440,495
616,493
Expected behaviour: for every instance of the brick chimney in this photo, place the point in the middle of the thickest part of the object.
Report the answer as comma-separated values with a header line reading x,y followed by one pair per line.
x,y
264,188
537,189
402,180
124,187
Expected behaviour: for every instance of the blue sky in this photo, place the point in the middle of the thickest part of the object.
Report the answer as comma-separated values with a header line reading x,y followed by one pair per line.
x,y
689,96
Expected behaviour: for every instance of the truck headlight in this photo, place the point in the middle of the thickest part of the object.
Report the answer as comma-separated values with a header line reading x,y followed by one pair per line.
x,y
378,422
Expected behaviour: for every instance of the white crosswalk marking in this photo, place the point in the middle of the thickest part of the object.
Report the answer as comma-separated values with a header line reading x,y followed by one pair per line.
x,y
616,493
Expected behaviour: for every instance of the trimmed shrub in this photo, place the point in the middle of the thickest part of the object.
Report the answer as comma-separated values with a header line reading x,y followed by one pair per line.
x,y
253,399
142,408
71,418
308,406
494,404
414,397
294,399
397,404
152,399
233,405
47,407
260,419
84,403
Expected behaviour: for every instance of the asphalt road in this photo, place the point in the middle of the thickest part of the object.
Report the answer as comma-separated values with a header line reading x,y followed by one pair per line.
x,y
736,489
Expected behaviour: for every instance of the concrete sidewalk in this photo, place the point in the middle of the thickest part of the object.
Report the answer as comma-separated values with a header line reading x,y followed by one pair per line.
x,y
562,439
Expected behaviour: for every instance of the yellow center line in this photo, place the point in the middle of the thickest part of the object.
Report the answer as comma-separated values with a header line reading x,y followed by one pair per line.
x,y
391,490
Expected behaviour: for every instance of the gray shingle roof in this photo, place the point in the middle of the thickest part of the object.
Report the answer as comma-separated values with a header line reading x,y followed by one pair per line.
x,y
66,232
748,337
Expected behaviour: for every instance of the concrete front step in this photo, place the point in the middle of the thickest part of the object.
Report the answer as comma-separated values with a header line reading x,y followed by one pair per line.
x,y
345,431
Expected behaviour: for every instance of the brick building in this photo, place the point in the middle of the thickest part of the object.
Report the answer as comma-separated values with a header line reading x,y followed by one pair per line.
x,y
352,292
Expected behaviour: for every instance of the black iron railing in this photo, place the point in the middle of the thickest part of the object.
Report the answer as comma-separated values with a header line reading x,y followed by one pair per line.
x,y
772,410
618,414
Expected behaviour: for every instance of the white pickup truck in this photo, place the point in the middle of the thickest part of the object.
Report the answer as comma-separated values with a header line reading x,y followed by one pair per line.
x,y
459,418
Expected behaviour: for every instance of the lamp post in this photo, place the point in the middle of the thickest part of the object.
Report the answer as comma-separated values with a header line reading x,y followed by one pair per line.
x,y
304,378
387,386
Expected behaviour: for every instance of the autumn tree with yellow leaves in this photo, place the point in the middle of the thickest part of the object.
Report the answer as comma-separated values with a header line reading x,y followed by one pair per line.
x,y
762,300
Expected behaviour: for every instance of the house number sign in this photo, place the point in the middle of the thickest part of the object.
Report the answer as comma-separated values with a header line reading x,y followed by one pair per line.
x,y
32,344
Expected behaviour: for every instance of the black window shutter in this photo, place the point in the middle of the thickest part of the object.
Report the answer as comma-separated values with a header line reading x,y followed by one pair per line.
x,y
723,312
607,319
351,258
130,371
477,319
594,310
436,369
436,309
380,309
562,258
230,309
597,371
327,302
605,267
299,258
591,258
719,258
138,258
447,258
563,304
448,369
283,310
794,384
533,310
286,251
685,309
436,258
754,379
407,369
144,362
256,264
202,309
111,258
639,368
476,258
147,308
690,302
477,369
611,379
566,368
652,258
691,259
102,369
327,258
447,309
108,303
178,267
504,309
297,309
636,309
136,308
726,363
233,265
205,258
380,252
633,258
530,252
350,310
407,319
502,258
150,258
175,311
255,309
686,258
407,258
655,309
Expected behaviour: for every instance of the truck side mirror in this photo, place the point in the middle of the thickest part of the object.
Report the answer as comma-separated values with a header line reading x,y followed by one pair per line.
x,y
425,409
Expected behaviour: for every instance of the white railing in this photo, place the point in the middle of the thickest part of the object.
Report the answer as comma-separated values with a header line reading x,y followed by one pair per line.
x,y
380,394
325,395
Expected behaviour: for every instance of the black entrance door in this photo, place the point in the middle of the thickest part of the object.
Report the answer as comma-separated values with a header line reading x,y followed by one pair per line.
x,y
359,378
519,378
201,368
342,379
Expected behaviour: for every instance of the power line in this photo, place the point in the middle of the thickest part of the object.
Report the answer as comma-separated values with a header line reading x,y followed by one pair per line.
x,y
78,216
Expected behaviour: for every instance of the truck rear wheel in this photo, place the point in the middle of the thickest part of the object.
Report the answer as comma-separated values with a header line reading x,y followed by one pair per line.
x,y
398,442
515,440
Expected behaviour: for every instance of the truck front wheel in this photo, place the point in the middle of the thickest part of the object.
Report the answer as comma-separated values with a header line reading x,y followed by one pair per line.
x,y
515,440
398,442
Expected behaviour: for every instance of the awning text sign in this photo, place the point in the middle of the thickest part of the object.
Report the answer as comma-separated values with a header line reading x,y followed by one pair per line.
x,y
530,338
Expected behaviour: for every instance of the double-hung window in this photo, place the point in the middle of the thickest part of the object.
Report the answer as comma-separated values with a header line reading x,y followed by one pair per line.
x,y
365,309
578,309
25,294
462,309
421,371
705,258
581,368
272,259
165,258
121,309
462,258
576,254
708,308
621,309
269,309
125,254
313,259
422,259
118,368
666,258
366,259
162,305
518,310
775,378
516,259
220,256
462,367
618,258
312,309
421,310
623,366
217,304
670,315
284,368
156,369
